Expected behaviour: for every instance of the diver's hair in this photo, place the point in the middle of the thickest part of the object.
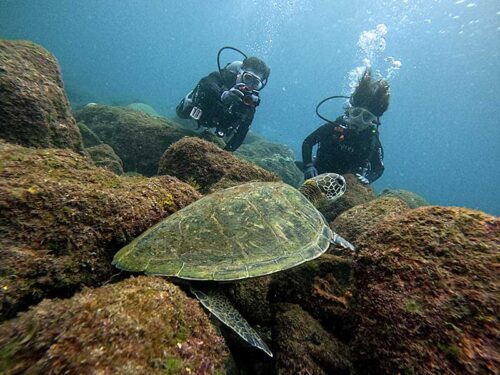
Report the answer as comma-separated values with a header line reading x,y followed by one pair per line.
x,y
257,65
371,94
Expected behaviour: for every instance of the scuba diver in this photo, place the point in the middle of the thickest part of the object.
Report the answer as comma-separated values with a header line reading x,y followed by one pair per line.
x,y
351,144
227,99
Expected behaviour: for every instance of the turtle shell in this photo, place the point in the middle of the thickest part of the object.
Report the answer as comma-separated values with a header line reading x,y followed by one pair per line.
x,y
245,231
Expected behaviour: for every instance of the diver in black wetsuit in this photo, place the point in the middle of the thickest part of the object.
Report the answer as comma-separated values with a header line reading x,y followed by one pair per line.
x,y
351,144
226,100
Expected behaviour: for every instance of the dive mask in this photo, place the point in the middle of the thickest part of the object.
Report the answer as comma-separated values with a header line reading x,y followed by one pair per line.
x,y
251,80
359,118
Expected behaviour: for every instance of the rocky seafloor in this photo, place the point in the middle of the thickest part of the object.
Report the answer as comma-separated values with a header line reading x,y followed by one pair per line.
x,y
419,296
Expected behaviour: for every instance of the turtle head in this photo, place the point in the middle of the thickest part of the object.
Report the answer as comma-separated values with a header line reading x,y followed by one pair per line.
x,y
326,186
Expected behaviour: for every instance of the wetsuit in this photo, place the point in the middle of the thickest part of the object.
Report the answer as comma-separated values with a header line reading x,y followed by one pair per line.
x,y
233,120
345,151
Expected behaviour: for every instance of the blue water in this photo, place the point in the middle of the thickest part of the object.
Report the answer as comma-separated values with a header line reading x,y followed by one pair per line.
x,y
441,134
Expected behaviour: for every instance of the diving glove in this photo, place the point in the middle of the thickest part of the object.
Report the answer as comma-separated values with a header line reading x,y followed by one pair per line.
x,y
240,93
233,95
362,179
310,171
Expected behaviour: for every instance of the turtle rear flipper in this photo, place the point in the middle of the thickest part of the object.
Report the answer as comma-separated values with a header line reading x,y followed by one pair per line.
x,y
342,242
215,301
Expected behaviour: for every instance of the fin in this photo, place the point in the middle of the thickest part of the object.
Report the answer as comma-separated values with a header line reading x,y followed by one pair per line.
x,y
218,304
342,242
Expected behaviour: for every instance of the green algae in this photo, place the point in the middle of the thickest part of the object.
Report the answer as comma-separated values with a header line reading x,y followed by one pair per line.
x,y
413,306
8,355
451,351
172,366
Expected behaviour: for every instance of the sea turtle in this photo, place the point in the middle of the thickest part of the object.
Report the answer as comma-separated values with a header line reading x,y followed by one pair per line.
x,y
249,230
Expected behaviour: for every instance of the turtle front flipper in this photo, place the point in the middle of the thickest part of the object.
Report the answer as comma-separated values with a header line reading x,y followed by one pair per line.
x,y
342,242
215,301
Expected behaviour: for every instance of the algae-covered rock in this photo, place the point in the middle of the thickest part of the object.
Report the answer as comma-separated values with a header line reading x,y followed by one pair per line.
x,y
413,200
252,137
206,166
273,157
207,135
356,193
89,138
137,138
426,292
303,346
250,298
322,287
144,108
62,219
142,325
104,156
352,223
34,110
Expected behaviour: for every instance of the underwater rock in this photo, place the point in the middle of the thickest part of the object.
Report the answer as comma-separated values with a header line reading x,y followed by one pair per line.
x,y
252,137
322,288
250,298
207,135
426,292
104,156
352,223
144,108
303,346
356,193
142,325
89,138
137,138
204,165
62,219
273,157
413,200
34,109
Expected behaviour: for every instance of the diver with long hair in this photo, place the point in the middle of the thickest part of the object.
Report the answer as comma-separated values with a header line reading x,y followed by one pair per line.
x,y
351,143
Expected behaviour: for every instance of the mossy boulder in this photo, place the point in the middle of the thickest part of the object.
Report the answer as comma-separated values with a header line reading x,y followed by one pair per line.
x,y
356,193
273,157
89,138
62,219
104,156
252,137
251,299
142,325
207,135
34,109
322,287
303,346
206,166
144,108
426,292
352,223
412,199
137,138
